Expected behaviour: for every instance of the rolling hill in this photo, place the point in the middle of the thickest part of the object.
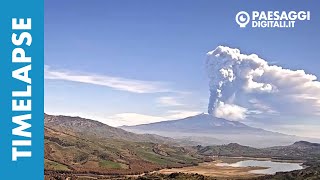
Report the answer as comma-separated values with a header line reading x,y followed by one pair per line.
x,y
81,146
91,128
300,150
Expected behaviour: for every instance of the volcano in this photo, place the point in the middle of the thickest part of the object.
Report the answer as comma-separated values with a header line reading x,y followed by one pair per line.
x,y
208,130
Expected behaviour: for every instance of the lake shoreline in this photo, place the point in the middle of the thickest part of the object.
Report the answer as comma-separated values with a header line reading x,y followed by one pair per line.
x,y
212,169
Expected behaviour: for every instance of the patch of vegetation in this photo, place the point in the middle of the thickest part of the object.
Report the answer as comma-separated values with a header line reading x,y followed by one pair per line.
x,y
154,158
58,141
81,157
51,165
109,164
173,176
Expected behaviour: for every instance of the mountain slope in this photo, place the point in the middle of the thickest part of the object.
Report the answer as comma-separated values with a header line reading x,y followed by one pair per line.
x,y
300,150
202,123
210,130
79,146
91,128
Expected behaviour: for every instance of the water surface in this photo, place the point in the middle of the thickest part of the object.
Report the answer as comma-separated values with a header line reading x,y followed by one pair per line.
x,y
271,166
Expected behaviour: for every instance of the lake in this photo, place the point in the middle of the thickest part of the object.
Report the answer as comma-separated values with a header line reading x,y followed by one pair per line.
x,y
271,166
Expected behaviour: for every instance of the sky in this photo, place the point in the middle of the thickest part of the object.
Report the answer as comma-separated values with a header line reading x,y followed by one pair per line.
x,y
134,62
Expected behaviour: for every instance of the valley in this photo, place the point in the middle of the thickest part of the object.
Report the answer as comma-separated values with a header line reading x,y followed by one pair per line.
x,y
214,170
78,148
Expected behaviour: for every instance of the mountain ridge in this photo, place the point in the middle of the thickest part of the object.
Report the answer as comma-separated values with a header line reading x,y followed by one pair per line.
x,y
84,127
207,129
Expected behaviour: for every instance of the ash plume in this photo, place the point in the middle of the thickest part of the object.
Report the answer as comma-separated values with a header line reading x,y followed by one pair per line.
x,y
239,83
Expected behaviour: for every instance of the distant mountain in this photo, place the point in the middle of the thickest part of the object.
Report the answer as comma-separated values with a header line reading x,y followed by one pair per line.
x,y
232,149
208,130
305,144
202,123
301,150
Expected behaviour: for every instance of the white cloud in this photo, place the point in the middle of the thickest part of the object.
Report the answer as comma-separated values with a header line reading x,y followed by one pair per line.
x,y
169,101
237,78
230,111
123,84
132,119
135,118
178,114
259,107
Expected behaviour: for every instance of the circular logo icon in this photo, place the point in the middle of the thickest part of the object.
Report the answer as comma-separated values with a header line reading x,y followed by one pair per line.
x,y
242,18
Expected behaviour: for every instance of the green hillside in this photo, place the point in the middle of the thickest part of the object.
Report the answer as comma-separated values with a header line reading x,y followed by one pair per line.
x,y
71,151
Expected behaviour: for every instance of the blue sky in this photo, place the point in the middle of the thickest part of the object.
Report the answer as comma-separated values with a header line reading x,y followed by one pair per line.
x,y
161,45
